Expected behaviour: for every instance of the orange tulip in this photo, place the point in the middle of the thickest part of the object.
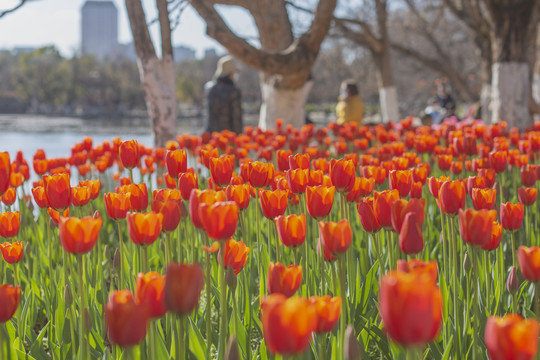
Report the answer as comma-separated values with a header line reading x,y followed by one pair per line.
x,y
382,203
9,197
187,181
282,159
328,312
144,229
291,229
138,196
169,181
219,219
198,197
483,198
12,252
511,337
235,254
319,200
5,171
150,291
528,175
476,226
498,160
93,185
78,236
9,298
362,187
529,263
452,197
9,224
367,215
419,174
511,216
171,210
336,237
16,179
527,196
495,238
489,175
444,162
435,183
56,216
40,166
342,174
284,279
240,194
400,208
40,197
298,180
80,195
288,324
419,267
401,180
273,203
129,154
126,320
117,205
221,169
58,191
260,174
176,162
165,194
411,307
299,161
183,286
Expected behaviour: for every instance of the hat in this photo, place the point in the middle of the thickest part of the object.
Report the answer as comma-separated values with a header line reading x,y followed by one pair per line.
x,y
225,66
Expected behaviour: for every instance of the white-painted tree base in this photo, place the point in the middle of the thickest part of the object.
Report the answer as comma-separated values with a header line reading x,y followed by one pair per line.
x,y
389,104
289,105
485,103
510,94
536,93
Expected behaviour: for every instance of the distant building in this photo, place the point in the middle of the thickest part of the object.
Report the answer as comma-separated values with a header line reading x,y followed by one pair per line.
x,y
126,51
210,53
99,29
18,50
183,53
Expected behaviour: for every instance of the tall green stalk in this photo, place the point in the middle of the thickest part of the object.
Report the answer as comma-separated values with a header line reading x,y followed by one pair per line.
x,y
476,284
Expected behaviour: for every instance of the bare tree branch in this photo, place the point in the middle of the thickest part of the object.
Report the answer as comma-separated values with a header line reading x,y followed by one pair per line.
x,y
164,28
8,11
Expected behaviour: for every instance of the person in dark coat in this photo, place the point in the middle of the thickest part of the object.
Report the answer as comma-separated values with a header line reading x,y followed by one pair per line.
x,y
224,99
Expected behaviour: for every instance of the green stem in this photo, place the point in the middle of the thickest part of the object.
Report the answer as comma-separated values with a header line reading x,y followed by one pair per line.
x,y
537,299
455,291
179,346
144,253
513,249
152,340
208,309
168,253
476,284
2,353
130,353
235,312
344,303
121,247
414,353
376,245
223,307
82,340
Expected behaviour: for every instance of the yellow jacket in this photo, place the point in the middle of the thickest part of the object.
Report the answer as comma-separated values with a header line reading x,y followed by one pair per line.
x,y
350,111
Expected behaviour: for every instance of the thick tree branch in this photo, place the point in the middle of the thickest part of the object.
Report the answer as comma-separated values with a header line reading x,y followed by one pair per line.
x,y
8,11
165,28
365,37
141,36
299,55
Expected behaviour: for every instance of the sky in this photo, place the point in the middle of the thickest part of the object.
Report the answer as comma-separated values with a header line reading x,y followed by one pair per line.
x,y
57,22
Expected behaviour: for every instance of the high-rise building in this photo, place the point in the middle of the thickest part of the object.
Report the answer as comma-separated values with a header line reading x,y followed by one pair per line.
x,y
183,53
99,29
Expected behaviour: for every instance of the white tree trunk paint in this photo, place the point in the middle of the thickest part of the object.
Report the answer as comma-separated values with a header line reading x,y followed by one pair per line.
x,y
536,92
485,102
510,94
389,104
289,105
160,89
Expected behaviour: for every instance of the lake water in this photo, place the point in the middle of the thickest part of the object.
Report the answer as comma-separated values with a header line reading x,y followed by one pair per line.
x,y
56,135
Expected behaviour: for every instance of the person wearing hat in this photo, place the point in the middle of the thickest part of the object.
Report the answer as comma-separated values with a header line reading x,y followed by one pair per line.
x,y
224,99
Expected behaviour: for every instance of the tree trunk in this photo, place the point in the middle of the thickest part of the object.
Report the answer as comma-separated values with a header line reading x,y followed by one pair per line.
x,y
485,102
157,77
387,91
282,103
536,93
510,94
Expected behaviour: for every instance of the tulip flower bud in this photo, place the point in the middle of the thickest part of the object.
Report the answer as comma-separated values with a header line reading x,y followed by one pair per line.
x,y
87,320
467,262
232,348
351,349
68,296
96,214
512,283
230,278
116,260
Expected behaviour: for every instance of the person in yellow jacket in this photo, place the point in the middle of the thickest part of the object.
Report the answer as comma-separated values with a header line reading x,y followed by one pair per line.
x,y
350,107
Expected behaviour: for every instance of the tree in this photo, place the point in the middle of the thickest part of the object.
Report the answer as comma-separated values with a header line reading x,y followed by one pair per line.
x,y
512,25
376,39
157,74
12,9
285,62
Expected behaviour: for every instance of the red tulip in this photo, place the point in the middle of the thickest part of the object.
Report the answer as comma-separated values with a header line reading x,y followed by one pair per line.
x,y
336,237
129,154
498,160
9,224
260,174
291,229
9,298
527,196
221,169
58,191
419,267
183,286
475,226
328,312
382,202
298,180
40,197
284,280
150,290
342,174
5,171
126,321
319,200
511,337
80,195
529,263
176,162
367,216
117,205
235,254
12,252
400,208
198,197
484,198
171,210
411,239
220,219
299,161
187,181
401,180
511,216
78,236
273,203
452,197
144,229
495,238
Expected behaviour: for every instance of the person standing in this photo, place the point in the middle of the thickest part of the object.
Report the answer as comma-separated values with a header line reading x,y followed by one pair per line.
x,y
224,99
350,107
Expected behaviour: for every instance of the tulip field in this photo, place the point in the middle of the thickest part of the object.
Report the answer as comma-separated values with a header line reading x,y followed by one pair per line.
x,y
341,242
